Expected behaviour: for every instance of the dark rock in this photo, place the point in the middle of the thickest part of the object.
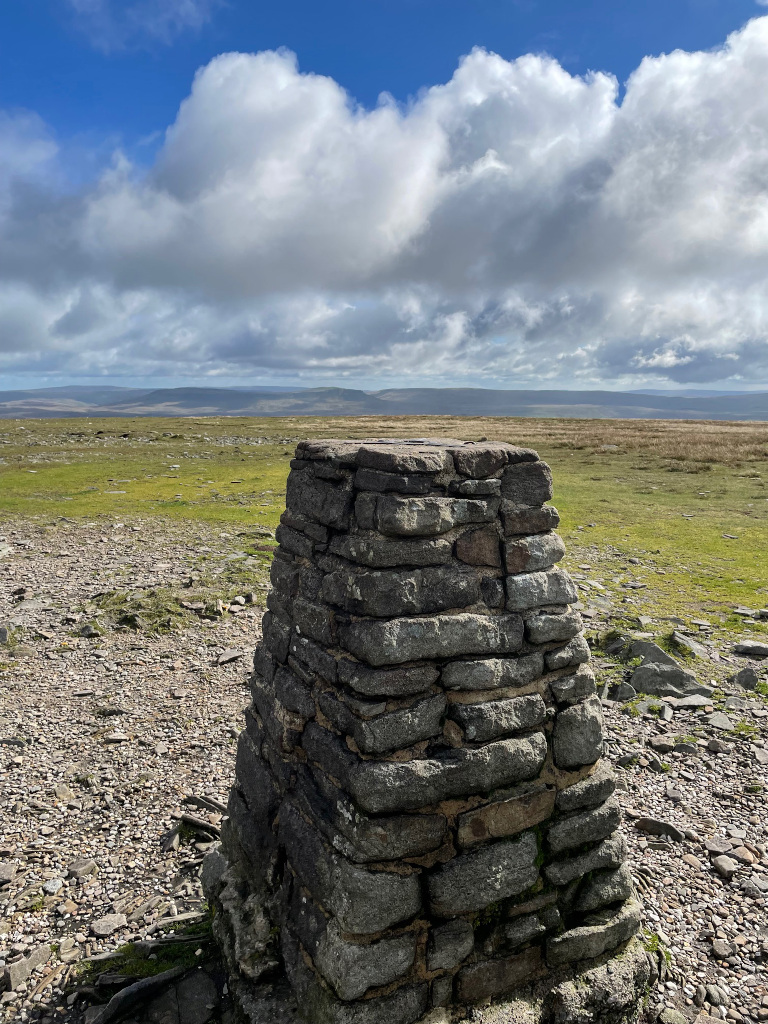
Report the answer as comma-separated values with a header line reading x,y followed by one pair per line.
x,y
574,653
534,589
527,483
589,792
584,826
506,817
534,553
495,718
479,547
656,827
544,628
449,944
477,878
578,735
602,931
491,978
519,519
379,552
391,594
492,673
610,853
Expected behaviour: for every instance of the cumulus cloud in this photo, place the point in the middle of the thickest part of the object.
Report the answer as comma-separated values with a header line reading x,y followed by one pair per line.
x,y
515,224
113,24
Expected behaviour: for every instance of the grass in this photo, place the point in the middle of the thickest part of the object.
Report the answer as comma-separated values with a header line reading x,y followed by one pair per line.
x,y
687,499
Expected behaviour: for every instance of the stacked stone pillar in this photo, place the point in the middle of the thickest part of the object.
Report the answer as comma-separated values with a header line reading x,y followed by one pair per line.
x,y
420,815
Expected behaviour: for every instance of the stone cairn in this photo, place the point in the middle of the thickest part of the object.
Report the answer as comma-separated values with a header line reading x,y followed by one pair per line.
x,y
420,816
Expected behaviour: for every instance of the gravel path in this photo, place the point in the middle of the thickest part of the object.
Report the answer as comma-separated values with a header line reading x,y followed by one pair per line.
x,y
107,741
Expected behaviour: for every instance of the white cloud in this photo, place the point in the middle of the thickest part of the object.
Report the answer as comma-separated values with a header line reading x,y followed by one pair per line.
x,y
113,24
514,224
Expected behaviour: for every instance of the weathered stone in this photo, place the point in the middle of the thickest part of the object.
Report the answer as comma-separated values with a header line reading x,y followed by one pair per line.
x,y
584,826
377,480
381,787
277,636
315,657
440,636
602,931
405,458
294,519
314,620
494,718
492,673
476,488
527,483
589,792
534,553
576,652
650,652
325,502
746,678
449,944
665,680
506,817
578,734
478,460
544,628
491,978
534,589
387,682
293,542
386,732
569,689
427,517
479,547
519,519
107,925
610,853
603,888
379,552
363,902
523,929
352,968
413,592
477,878
751,649
726,867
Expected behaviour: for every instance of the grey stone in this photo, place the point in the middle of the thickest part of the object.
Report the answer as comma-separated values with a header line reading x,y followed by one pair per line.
x,y
471,488
377,480
388,682
602,931
717,720
479,459
379,552
751,649
293,542
52,886
650,652
747,678
380,787
491,978
534,553
523,929
107,925
610,853
589,792
662,680
390,731
137,995
477,878
413,592
603,888
325,502
624,692
494,718
405,458
197,998
574,687
352,968
656,827
506,817
81,867
726,867
394,641
427,517
578,734
670,1016
527,483
277,635
584,826
314,657
480,547
533,589
492,673
313,620
449,944
689,645
544,628
527,519
297,521
576,652
362,901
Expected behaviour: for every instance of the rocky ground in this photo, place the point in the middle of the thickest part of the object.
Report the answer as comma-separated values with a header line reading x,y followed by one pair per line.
x,y
117,749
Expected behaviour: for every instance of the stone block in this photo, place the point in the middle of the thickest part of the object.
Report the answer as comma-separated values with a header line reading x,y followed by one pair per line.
x,y
603,888
353,967
427,517
383,787
544,628
277,636
589,792
506,817
476,488
293,542
378,480
577,738
449,944
492,978
495,718
575,652
534,553
602,931
405,458
363,902
475,879
523,929
527,483
479,460
534,589
492,673
392,594
584,827
314,657
321,500
480,547
395,641
610,853
520,519
378,552
387,682
666,681
390,731
569,689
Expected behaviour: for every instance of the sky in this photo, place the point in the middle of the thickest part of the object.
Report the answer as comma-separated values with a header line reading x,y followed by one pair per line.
x,y
495,194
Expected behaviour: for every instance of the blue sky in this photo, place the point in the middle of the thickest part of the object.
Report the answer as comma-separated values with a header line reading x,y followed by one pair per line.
x,y
500,221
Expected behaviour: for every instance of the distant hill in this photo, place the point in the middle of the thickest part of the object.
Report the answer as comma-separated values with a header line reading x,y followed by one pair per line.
x,y
275,401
